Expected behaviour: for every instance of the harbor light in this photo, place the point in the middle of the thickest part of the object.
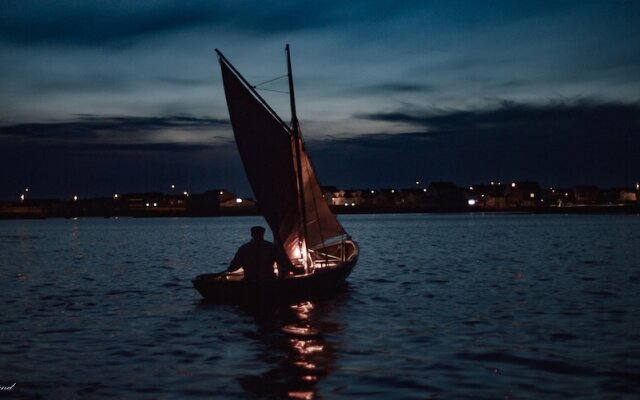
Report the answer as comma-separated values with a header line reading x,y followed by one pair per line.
x,y
173,187
186,193
221,192
238,200
155,204
22,197
470,187
513,184
115,196
532,195
75,198
472,202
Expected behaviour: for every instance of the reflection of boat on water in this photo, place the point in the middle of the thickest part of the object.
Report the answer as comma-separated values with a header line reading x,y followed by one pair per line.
x,y
289,197
297,351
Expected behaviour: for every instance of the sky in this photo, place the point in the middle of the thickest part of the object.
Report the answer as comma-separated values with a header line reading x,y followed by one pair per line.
x,y
102,97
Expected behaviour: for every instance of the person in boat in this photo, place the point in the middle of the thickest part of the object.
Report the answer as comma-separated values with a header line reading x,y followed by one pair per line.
x,y
257,258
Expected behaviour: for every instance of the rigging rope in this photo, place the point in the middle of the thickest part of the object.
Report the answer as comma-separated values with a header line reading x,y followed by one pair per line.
x,y
270,80
271,90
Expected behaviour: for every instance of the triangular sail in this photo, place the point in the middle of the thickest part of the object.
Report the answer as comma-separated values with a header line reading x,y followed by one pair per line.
x,y
266,147
321,223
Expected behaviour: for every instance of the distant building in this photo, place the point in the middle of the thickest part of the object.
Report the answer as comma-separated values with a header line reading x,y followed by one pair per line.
x,y
488,196
586,194
204,204
445,196
559,197
523,194
414,198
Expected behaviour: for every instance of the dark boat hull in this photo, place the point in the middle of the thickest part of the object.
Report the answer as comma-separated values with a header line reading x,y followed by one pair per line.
x,y
297,288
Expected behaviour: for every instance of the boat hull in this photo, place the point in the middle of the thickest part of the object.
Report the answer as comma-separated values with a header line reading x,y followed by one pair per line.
x,y
321,283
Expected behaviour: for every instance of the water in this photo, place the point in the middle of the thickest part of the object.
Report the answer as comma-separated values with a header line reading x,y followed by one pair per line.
x,y
439,306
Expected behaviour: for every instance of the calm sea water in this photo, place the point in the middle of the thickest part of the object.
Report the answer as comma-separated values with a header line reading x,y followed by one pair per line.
x,y
439,306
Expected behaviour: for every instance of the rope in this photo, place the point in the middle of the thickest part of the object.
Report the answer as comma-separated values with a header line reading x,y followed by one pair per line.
x,y
270,80
271,90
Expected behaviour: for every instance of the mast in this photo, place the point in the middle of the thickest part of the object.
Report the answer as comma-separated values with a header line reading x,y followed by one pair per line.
x,y
295,130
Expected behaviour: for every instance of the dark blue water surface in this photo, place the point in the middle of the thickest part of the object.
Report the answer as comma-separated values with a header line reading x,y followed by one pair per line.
x,y
439,306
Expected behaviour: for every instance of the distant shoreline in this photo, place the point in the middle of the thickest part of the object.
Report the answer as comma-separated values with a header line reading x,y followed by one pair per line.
x,y
26,213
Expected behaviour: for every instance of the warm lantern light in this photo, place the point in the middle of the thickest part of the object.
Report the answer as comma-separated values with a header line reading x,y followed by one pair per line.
x,y
532,195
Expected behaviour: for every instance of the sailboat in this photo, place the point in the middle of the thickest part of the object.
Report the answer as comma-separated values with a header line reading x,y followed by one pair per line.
x,y
289,197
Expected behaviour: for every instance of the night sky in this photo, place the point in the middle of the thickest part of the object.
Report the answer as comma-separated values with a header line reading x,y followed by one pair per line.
x,y
99,97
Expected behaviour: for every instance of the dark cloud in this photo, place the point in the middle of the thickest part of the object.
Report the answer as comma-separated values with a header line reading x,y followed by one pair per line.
x,y
384,89
117,22
88,128
556,144
97,155
584,116
98,21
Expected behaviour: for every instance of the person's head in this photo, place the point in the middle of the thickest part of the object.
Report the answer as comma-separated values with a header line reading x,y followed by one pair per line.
x,y
257,232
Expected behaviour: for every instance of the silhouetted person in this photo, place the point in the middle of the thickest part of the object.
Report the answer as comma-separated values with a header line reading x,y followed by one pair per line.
x,y
257,257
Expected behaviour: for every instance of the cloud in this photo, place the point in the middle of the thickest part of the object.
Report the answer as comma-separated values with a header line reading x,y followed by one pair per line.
x,y
558,143
384,89
112,132
117,22
90,23
564,118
